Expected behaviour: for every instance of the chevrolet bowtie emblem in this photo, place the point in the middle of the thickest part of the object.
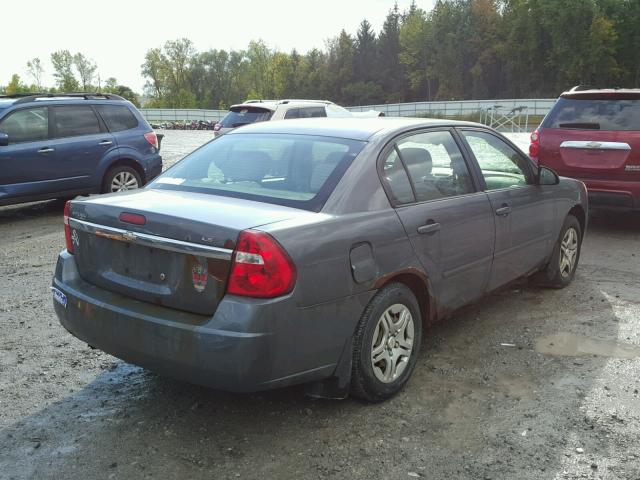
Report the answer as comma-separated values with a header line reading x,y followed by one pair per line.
x,y
594,145
129,236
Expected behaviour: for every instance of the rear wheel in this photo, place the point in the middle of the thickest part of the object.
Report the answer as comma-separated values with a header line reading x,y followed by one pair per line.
x,y
386,344
561,269
120,179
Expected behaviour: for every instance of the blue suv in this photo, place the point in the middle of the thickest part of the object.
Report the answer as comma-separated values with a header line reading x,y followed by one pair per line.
x,y
63,145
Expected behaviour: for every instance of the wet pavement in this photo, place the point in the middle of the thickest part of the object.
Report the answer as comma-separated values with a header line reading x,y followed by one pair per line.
x,y
528,383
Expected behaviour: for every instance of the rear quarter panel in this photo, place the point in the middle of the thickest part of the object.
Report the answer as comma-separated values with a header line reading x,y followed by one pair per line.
x,y
570,193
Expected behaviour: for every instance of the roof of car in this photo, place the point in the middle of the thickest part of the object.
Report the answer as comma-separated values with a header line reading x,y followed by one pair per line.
x,y
602,93
273,104
268,105
352,128
6,100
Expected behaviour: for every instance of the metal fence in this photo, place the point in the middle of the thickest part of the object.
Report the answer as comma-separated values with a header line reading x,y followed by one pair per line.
x,y
160,115
505,114
460,108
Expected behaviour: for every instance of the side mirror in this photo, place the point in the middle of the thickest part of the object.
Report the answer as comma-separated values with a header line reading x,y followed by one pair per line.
x,y
546,176
4,139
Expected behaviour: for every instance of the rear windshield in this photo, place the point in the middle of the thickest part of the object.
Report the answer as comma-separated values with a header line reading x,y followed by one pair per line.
x,y
591,114
239,116
298,171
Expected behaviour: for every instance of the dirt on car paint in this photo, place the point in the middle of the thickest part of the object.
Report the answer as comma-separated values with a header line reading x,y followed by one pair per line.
x,y
528,383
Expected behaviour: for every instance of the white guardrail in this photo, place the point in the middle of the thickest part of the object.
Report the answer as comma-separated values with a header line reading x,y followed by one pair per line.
x,y
505,114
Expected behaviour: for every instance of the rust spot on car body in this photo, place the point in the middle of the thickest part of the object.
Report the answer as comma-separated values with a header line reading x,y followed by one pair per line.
x,y
421,288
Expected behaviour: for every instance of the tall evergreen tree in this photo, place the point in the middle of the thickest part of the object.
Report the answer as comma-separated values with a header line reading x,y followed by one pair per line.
x,y
390,70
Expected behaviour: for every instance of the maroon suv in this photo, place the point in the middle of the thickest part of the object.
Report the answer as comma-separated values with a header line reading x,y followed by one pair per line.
x,y
594,136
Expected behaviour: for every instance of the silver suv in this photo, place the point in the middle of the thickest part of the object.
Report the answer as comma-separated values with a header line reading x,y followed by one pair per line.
x,y
253,111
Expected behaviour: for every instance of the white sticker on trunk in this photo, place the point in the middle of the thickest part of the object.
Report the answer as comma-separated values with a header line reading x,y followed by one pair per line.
x,y
171,180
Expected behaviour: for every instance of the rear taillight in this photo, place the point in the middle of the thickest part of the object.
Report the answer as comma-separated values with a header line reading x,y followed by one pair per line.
x,y
534,146
261,267
67,228
152,138
217,127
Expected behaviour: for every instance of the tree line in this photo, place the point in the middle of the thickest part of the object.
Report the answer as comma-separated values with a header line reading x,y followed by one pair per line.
x,y
72,73
462,49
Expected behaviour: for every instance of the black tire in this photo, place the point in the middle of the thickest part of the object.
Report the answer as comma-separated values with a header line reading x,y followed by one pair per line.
x,y
114,172
365,383
553,275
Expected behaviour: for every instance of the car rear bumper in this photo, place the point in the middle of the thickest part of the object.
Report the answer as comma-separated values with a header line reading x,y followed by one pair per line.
x,y
613,194
248,345
153,168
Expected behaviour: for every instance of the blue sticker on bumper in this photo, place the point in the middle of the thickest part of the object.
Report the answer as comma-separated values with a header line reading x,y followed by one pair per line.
x,y
59,297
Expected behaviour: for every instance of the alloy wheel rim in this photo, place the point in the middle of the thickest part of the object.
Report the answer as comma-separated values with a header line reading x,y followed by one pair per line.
x,y
568,252
124,181
392,343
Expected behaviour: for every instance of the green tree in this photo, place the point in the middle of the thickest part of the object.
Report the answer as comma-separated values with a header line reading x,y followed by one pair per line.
x,y
62,61
86,70
258,69
365,61
390,70
36,71
15,86
448,29
111,85
340,67
154,68
485,45
413,55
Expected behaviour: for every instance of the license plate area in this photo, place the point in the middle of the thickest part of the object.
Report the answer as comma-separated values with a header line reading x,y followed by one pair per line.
x,y
183,281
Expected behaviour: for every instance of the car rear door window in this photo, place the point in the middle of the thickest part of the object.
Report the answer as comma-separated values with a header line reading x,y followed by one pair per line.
x,y
75,120
305,112
501,165
396,179
117,117
594,114
436,166
28,125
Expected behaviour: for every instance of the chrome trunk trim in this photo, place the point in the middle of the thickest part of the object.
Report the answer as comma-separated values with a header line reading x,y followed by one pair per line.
x,y
153,241
595,145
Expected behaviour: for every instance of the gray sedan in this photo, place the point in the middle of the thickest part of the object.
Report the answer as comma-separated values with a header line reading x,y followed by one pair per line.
x,y
312,251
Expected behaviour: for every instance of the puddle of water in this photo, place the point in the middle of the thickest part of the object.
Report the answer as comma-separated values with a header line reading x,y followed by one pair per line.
x,y
570,345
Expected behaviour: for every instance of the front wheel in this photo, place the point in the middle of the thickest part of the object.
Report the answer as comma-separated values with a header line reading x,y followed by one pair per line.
x,y
120,179
561,269
386,344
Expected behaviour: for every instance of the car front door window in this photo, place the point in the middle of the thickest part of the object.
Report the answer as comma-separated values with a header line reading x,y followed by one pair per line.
x,y
28,125
501,165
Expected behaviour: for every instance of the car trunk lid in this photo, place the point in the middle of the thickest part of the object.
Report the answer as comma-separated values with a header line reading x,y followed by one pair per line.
x,y
593,134
587,154
178,251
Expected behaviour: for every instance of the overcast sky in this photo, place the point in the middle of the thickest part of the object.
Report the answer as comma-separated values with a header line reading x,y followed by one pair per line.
x,y
116,34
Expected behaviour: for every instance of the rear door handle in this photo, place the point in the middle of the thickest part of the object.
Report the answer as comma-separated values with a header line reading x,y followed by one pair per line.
x,y
46,150
503,211
105,142
429,228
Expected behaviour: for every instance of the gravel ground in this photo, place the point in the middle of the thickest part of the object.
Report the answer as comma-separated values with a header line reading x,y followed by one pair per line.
x,y
527,383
